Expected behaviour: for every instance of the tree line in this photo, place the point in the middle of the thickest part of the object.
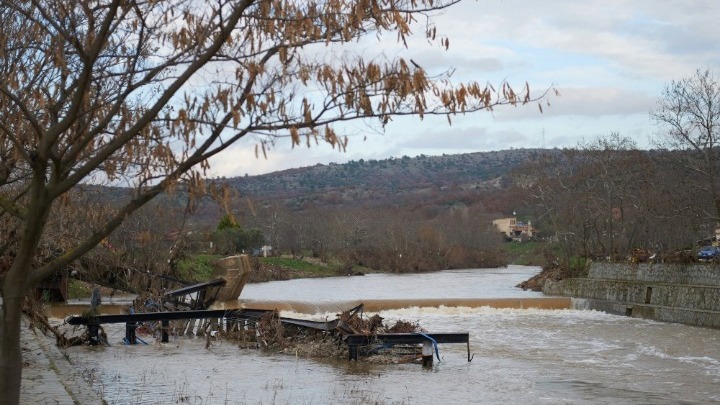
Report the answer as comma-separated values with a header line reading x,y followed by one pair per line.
x,y
608,199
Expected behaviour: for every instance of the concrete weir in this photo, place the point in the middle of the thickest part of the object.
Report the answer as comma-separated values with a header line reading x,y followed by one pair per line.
x,y
682,293
376,305
372,305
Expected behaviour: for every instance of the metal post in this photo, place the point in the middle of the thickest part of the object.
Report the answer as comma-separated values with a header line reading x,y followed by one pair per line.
x,y
352,352
165,324
427,354
130,336
93,331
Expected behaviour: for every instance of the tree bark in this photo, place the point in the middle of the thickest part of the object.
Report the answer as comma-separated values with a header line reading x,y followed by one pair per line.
x,y
10,354
15,287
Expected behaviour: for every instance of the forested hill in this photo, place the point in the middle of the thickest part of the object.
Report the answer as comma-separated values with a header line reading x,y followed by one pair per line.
x,y
386,180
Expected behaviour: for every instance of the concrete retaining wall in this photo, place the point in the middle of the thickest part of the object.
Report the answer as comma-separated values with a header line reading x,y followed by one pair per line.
x,y
665,292
705,298
709,319
698,274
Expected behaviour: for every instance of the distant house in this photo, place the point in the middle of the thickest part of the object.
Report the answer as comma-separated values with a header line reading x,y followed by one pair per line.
x,y
512,228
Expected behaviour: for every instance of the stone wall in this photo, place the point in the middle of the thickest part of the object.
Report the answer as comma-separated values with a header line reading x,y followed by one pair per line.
x,y
665,292
696,273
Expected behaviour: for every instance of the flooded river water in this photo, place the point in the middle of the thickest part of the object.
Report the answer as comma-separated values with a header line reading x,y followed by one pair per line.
x,y
529,356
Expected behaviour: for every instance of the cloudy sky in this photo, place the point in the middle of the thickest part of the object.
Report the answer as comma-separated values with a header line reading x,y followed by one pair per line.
x,y
609,59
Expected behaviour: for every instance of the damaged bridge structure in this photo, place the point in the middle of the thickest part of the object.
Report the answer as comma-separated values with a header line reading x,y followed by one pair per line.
x,y
189,304
359,344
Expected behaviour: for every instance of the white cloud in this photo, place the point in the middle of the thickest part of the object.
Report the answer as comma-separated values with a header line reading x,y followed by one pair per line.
x,y
592,102
241,159
610,60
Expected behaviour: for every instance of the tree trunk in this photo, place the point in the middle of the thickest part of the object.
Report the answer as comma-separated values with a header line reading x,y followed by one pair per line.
x,y
14,287
10,354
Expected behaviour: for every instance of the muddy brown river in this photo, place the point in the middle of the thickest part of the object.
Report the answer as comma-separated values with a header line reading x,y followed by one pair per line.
x,y
531,356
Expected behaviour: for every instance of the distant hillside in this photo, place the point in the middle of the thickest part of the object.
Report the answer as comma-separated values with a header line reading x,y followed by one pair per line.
x,y
394,181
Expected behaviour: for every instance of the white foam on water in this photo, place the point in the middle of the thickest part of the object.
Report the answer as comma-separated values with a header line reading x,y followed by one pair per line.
x,y
709,364
569,314
653,351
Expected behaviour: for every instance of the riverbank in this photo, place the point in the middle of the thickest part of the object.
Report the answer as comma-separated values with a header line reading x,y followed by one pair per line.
x,y
48,376
280,268
198,268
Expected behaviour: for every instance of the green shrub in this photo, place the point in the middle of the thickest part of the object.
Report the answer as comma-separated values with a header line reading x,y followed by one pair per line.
x,y
298,265
525,253
577,267
78,289
196,268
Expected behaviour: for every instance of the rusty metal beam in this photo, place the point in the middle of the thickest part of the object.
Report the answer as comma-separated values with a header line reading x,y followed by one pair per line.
x,y
406,338
247,313
355,341
194,288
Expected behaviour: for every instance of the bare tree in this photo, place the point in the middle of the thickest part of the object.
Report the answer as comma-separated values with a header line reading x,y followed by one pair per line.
x,y
615,174
593,197
688,115
143,93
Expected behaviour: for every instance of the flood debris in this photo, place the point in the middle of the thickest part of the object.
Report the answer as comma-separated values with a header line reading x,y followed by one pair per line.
x,y
273,333
37,320
270,331
363,336
183,312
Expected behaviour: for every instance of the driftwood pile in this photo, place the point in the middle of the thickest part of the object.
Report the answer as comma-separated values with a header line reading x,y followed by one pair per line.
x,y
38,320
272,335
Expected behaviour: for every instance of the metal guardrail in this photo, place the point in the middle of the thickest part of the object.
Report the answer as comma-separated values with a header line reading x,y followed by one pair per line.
x,y
354,341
